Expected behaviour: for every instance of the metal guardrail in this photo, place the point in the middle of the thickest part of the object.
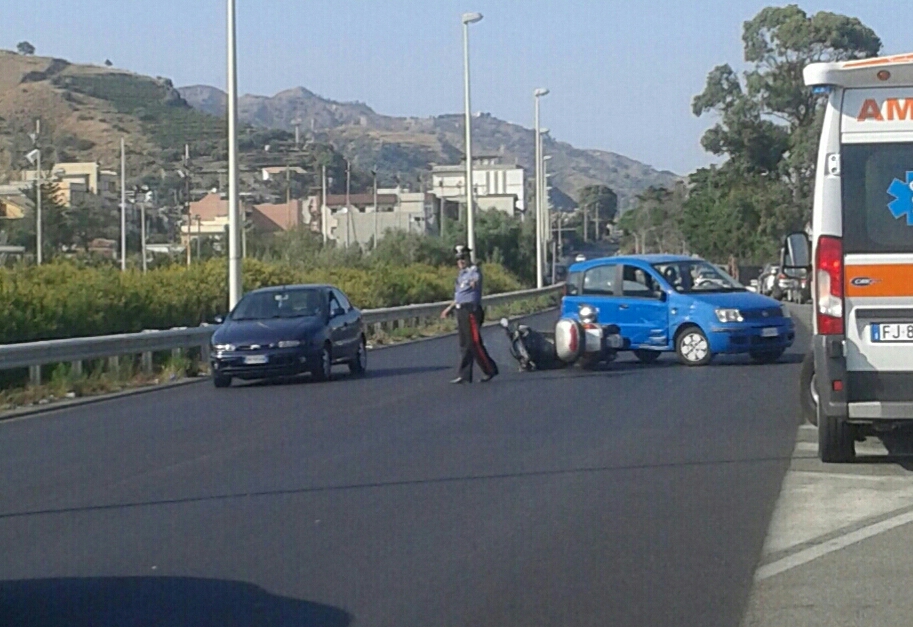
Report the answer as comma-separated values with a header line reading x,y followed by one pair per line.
x,y
33,355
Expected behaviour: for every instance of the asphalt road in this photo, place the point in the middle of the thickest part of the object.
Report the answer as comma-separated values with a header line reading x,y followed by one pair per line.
x,y
636,496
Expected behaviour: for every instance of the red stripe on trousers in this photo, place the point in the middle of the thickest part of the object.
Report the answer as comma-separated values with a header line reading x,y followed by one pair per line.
x,y
480,350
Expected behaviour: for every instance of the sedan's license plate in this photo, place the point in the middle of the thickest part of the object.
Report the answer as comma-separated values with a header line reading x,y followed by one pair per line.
x,y
770,332
254,360
892,332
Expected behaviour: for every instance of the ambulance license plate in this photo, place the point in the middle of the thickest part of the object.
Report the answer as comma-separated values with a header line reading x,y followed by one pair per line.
x,y
892,332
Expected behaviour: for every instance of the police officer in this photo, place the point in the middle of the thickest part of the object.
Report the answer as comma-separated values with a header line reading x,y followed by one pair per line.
x,y
467,300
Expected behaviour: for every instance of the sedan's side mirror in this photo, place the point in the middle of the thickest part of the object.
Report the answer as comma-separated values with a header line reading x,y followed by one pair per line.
x,y
338,311
661,296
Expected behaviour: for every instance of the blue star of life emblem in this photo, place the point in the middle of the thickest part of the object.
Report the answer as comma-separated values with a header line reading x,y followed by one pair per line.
x,y
902,205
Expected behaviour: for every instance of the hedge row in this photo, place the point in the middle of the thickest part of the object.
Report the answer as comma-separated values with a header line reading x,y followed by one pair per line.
x,y
61,300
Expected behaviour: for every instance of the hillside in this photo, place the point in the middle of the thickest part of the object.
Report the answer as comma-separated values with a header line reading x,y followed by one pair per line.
x,y
85,110
405,147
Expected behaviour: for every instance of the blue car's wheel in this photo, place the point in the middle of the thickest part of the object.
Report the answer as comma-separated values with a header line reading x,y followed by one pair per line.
x,y
692,347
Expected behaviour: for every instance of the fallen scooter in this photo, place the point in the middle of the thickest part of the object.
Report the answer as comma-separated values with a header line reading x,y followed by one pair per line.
x,y
583,342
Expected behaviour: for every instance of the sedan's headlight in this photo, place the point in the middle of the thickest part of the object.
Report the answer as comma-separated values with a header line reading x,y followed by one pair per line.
x,y
223,347
729,315
289,343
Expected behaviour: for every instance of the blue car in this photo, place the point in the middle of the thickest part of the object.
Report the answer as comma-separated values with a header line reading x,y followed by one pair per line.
x,y
665,303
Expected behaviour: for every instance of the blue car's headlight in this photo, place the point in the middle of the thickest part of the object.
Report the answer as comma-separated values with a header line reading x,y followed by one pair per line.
x,y
223,347
729,315
289,344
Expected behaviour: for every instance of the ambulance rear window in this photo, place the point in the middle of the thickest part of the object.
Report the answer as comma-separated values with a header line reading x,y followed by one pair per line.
x,y
877,197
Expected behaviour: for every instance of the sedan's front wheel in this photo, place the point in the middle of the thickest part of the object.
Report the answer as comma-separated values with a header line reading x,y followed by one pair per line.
x,y
359,363
324,369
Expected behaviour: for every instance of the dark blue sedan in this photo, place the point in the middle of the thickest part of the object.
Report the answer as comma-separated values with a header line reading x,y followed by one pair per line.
x,y
285,331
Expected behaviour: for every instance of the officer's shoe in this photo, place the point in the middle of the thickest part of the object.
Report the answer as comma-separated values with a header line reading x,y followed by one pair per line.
x,y
489,377
459,380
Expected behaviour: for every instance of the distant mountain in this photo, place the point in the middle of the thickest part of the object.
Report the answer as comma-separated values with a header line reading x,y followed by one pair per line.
x,y
407,147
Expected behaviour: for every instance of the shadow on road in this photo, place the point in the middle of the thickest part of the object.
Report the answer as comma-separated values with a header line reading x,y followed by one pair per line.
x,y
165,601
899,443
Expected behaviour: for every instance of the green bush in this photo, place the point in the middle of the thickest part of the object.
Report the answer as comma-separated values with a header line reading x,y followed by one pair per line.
x,y
63,299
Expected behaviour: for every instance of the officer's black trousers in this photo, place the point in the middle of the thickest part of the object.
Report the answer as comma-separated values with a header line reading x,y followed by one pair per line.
x,y
469,323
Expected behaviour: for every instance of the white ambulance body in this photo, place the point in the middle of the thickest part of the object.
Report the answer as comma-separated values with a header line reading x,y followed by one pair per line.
x,y
862,250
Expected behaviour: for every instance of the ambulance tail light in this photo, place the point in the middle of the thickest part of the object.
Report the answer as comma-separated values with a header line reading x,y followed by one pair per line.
x,y
829,281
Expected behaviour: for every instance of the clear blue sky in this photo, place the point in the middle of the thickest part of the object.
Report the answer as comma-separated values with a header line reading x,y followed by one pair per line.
x,y
622,73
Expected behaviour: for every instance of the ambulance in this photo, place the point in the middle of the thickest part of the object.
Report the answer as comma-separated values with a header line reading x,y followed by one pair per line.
x,y
858,377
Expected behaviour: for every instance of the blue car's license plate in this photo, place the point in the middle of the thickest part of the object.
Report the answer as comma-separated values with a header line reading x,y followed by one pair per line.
x,y
255,360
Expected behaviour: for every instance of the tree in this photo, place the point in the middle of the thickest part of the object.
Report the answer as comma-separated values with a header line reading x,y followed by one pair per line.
x,y
25,48
54,228
769,121
88,220
602,203
654,224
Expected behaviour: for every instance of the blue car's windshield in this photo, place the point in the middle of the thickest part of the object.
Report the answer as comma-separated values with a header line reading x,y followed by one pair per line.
x,y
692,276
294,303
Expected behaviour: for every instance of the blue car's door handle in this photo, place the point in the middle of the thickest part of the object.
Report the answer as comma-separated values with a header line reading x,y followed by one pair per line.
x,y
622,306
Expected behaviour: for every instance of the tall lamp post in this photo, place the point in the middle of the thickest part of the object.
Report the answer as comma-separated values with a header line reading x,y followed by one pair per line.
x,y
35,157
234,219
374,176
540,262
469,18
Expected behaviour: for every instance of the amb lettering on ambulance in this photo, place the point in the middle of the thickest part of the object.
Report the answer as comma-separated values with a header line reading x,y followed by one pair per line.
x,y
862,251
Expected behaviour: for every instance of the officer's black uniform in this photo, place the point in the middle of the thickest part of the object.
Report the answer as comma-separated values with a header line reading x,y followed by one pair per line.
x,y
467,300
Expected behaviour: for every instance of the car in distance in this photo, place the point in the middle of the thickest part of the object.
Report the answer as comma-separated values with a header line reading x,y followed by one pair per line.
x,y
285,331
664,303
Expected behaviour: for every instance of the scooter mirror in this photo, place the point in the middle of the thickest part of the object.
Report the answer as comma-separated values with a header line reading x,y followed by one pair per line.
x,y
505,322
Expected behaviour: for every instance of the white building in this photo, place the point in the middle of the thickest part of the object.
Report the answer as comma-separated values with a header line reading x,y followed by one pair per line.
x,y
494,184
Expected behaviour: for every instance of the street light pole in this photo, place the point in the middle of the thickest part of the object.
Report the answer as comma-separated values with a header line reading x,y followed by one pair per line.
x,y
38,255
374,174
468,18
348,197
234,259
539,251
123,206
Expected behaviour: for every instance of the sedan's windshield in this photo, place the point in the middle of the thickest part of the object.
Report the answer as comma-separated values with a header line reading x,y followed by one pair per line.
x,y
697,276
295,303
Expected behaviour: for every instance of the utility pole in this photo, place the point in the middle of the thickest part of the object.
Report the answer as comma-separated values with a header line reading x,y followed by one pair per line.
x,y
374,174
348,197
38,220
234,260
323,207
540,253
468,18
123,205
187,197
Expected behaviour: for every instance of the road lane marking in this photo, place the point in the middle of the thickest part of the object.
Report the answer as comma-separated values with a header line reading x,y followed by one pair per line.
x,y
812,553
837,475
